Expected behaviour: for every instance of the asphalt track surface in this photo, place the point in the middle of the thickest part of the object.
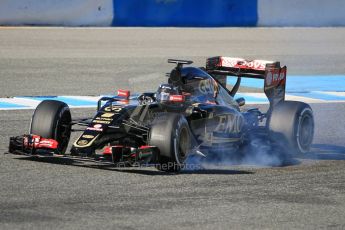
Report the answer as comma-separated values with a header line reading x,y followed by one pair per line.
x,y
305,193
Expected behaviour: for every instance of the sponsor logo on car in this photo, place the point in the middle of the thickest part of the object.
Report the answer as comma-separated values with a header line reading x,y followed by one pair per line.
x,y
82,142
113,108
244,64
107,115
101,121
273,77
229,124
96,127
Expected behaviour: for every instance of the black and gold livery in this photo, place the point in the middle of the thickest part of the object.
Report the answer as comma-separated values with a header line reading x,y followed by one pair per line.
x,y
194,113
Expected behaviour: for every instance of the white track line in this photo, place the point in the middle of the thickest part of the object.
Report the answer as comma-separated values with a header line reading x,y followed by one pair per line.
x,y
341,94
84,98
32,104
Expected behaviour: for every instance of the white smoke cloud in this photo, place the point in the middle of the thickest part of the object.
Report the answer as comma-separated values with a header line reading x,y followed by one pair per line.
x,y
258,152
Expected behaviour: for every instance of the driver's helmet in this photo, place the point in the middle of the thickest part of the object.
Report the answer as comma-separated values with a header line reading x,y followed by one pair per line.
x,y
164,91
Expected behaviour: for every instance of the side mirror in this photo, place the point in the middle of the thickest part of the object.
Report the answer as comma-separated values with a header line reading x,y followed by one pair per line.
x,y
241,101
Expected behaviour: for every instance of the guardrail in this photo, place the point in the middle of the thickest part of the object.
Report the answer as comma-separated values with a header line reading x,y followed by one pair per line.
x,y
57,12
180,13
301,13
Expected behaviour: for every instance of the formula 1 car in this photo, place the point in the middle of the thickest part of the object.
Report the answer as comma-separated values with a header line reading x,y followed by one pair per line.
x,y
193,113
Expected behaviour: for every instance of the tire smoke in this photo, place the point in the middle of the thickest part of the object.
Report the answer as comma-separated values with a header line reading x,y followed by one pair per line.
x,y
257,152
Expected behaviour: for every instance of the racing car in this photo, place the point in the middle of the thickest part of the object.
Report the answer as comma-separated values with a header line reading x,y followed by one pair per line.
x,y
193,113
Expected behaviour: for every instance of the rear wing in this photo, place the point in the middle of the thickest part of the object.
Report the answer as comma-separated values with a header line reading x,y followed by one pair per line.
x,y
271,72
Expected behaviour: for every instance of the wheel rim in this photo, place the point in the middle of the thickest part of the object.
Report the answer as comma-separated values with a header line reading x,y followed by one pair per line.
x,y
306,130
183,144
63,131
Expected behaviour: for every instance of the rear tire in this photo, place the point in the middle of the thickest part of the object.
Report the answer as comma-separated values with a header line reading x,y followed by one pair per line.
x,y
51,120
291,125
170,133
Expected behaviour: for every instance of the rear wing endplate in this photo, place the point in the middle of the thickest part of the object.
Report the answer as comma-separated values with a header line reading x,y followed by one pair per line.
x,y
271,72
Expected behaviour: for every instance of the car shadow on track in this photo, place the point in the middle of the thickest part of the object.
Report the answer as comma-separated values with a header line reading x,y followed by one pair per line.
x,y
151,171
325,152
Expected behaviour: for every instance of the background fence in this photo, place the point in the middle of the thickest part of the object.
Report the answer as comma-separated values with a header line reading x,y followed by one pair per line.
x,y
185,13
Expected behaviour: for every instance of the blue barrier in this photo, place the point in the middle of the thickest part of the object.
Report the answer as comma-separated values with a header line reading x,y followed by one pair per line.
x,y
185,13
179,13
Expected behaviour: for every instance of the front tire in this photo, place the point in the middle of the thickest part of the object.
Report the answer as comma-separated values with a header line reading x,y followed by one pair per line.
x,y
170,133
51,120
291,125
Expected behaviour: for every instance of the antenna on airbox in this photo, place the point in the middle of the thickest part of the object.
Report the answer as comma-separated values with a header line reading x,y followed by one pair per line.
x,y
175,74
180,63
